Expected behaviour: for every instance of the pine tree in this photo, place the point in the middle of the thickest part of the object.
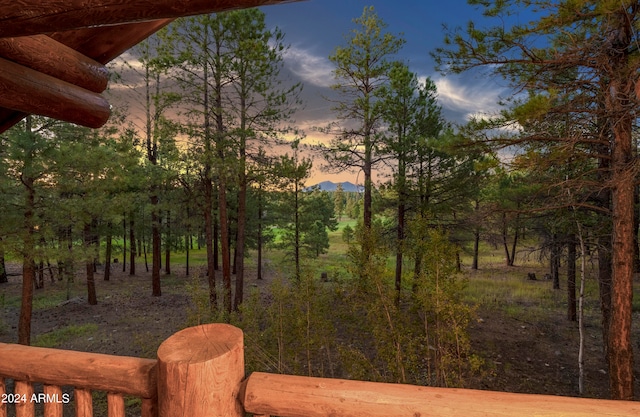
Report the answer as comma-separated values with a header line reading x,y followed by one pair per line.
x,y
578,60
361,67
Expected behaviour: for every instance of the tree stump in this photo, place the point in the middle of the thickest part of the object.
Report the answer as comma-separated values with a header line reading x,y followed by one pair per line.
x,y
199,372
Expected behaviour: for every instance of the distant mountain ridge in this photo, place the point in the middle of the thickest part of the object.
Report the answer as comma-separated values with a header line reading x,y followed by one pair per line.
x,y
347,186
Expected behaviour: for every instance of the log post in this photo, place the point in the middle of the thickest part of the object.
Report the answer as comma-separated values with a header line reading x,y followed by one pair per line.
x,y
199,372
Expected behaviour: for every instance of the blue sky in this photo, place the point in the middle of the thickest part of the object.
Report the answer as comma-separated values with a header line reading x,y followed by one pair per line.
x,y
313,29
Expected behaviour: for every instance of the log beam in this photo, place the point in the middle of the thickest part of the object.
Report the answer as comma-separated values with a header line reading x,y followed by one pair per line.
x,y
31,17
25,90
98,44
292,396
95,371
106,43
43,54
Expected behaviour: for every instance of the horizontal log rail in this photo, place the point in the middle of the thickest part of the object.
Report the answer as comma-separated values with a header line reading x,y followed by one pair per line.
x,y
200,371
86,372
295,396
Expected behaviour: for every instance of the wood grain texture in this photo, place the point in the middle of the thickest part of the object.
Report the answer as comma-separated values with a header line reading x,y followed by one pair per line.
x,y
199,372
294,396
149,407
45,55
30,17
103,44
83,402
53,406
115,405
24,407
25,90
3,390
131,376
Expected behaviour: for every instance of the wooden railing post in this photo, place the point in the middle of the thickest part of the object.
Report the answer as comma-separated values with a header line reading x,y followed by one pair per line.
x,y
199,372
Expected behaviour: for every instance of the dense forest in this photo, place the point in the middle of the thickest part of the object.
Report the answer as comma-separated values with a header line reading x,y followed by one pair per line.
x,y
204,154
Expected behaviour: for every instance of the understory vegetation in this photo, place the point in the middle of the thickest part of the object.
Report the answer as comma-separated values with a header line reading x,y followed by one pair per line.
x,y
356,325
339,326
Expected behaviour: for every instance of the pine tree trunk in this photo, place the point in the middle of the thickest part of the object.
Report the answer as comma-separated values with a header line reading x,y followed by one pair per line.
x,y
620,347
40,275
156,288
210,238
368,185
259,243
107,256
187,249
167,248
224,239
476,240
28,270
132,245
516,236
399,251
240,239
636,227
619,87
555,262
124,244
4,278
296,249
89,262
571,279
505,244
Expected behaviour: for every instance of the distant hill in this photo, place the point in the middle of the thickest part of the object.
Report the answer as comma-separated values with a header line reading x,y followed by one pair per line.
x,y
347,186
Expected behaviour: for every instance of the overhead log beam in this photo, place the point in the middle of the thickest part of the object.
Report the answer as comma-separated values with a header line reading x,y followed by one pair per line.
x,y
31,17
29,91
106,43
103,44
45,55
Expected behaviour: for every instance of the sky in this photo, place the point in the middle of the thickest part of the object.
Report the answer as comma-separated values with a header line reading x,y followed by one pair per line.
x,y
314,28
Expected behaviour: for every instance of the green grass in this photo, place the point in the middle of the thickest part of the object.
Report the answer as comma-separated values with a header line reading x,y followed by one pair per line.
x,y
507,289
57,337
52,296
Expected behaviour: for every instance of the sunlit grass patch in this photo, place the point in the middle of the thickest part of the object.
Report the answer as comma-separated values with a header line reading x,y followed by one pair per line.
x,y
508,290
59,336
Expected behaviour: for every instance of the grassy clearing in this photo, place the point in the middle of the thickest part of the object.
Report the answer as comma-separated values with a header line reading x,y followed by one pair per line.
x,y
57,337
507,289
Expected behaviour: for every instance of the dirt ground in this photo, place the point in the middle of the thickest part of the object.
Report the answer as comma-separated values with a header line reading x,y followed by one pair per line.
x,y
521,356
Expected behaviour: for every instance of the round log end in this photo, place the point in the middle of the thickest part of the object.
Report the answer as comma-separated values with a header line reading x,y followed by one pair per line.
x,y
199,372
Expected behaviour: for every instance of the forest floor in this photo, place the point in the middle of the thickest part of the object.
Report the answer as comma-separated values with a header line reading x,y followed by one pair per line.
x,y
523,353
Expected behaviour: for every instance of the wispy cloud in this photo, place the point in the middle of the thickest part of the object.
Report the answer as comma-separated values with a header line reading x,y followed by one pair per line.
x,y
472,97
311,68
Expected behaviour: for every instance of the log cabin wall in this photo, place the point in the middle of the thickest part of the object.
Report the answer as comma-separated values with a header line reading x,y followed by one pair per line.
x,y
52,53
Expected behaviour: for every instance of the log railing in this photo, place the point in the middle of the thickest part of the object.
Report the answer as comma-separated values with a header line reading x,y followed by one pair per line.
x,y
85,372
200,372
